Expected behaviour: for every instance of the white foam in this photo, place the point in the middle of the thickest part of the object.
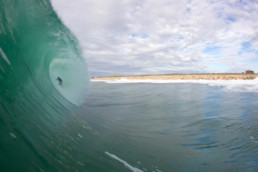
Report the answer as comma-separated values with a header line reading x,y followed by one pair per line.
x,y
253,139
13,135
80,135
134,169
4,56
229,85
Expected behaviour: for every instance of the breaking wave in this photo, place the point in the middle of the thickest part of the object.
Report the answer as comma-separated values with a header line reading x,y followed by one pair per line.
x,y
35,49
228,85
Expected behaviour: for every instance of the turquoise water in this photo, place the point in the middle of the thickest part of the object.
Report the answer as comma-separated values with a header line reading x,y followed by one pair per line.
x,y
45,126
36,48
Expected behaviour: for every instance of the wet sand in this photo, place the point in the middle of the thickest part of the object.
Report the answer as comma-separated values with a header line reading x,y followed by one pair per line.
x,y
202,76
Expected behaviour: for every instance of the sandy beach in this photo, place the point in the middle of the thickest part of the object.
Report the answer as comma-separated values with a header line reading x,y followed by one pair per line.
x,y
203,76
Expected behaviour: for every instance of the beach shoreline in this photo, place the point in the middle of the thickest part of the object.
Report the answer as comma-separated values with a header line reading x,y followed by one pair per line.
x,y
198,76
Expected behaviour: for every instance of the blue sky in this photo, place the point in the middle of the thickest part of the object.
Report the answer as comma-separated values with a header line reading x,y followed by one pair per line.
x,y
164,36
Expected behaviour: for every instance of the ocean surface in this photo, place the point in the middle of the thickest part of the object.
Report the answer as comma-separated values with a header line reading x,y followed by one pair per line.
x,y
174,125
113,125
139,126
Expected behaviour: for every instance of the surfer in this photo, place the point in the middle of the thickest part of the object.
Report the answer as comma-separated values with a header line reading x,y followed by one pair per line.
x,y
60,80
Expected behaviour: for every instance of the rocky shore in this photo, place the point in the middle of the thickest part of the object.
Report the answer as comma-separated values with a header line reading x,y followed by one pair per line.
x,y
204,76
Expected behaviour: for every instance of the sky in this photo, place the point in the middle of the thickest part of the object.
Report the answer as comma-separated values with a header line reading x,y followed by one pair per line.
x,y
131,37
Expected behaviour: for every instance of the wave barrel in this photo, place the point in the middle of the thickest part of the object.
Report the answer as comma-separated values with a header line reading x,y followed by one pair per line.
x,y
43,80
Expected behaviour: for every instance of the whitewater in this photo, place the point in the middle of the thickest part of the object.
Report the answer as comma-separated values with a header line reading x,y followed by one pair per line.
x,y
229,85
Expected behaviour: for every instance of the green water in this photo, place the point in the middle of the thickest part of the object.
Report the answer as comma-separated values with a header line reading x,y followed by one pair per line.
x,y
45,126
36,48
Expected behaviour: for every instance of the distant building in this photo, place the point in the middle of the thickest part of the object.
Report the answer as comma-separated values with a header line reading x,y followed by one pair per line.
x,y
249,72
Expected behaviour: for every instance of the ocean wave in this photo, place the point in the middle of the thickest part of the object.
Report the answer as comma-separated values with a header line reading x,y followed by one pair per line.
x,y
35,49
228,85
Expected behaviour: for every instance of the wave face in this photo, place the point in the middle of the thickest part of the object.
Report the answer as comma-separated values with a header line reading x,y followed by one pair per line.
x,y
35,46
35,49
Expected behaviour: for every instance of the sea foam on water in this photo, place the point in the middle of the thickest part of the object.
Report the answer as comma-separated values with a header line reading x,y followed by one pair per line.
x,y
228,85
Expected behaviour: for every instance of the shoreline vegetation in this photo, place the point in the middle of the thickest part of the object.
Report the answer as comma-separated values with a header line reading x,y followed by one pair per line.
x,y
195,76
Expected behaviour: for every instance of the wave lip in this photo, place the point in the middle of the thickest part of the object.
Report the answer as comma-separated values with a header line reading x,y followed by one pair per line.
x,y
36,48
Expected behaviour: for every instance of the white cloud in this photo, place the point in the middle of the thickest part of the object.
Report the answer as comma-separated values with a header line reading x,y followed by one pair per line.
x,y
150,36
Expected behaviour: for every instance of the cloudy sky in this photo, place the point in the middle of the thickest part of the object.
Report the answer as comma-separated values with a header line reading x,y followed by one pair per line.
x,y
164,36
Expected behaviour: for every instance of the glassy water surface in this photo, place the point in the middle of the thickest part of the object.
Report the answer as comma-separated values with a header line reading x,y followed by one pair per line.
x,y
174,127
